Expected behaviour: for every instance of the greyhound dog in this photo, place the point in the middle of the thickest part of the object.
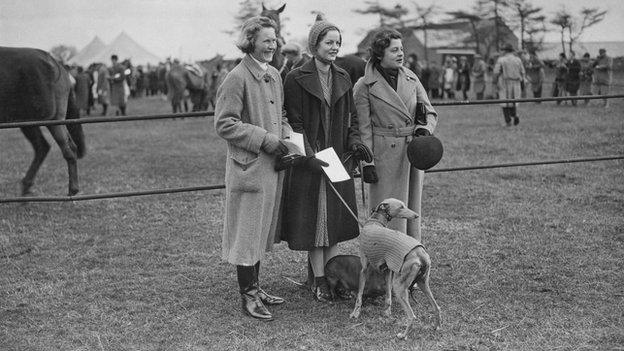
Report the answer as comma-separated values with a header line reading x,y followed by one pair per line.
x,y
402,257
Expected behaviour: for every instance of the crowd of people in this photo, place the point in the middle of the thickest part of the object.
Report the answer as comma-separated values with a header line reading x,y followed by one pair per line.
x,y
115,84
457,76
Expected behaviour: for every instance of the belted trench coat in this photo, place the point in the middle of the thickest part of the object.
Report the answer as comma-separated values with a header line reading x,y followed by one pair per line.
x,y
386,122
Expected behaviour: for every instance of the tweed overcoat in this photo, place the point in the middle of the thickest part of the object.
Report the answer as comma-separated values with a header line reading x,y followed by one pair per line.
x,y
303,102
118,93
381,110
248,106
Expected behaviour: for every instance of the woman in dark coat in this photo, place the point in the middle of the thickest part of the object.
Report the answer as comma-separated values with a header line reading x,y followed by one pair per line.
x,y
319,104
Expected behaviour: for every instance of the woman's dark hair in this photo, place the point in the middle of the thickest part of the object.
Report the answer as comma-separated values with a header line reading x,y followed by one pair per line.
x,y
381,41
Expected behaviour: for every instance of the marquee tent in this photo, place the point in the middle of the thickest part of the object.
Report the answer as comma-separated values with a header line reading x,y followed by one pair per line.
x,y
123,46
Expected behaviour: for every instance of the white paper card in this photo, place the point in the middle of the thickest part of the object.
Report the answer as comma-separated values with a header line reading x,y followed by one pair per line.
x,y
297,139
335,171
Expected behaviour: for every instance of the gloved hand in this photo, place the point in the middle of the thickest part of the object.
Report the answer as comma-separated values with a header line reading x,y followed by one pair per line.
x,y
369,175
273,145
421,132
315,164
288,161
362,152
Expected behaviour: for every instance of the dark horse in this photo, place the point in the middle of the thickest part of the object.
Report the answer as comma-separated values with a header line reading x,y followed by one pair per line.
x,y
191,78
278,58
35,87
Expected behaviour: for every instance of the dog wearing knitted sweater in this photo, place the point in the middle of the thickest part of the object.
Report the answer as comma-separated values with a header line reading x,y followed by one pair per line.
x,y
402,257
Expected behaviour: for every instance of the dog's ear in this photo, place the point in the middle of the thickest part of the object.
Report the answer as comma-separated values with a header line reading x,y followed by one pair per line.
x,y
382,207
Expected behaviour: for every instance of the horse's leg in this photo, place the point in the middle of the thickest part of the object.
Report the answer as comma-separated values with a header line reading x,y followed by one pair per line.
x,y
41,147
69,150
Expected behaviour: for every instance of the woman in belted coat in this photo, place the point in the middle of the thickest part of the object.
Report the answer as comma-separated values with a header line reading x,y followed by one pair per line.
x,y
318,102
392,108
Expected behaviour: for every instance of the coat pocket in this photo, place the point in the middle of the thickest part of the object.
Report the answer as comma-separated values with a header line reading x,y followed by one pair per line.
x,y
243,158
242,171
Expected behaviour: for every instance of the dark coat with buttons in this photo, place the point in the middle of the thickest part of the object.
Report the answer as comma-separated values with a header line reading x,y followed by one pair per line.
x,y
304,105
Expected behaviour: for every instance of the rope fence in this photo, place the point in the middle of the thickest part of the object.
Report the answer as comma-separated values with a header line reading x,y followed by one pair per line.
x,y
206,113
222,186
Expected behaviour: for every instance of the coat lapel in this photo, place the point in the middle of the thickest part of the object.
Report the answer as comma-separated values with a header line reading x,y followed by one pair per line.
x,y
309,81
341,84
382,90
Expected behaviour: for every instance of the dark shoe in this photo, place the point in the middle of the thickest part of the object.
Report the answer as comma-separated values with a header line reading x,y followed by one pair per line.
x,y
321,291
253,306
269,300
516,120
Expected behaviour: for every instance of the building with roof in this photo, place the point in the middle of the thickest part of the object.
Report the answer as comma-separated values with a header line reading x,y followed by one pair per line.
x,y
455,38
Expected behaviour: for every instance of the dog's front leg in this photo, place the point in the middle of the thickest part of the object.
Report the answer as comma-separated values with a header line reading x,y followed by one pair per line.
x,y
388,298
358,302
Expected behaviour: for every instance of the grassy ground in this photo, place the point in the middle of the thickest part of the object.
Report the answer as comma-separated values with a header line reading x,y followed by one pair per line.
x,y
524,258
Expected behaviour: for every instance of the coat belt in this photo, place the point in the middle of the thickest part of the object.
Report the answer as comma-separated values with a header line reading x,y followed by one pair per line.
x,y
395,132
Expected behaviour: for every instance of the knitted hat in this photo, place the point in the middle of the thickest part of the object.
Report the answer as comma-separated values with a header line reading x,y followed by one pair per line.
x,y
317,28
508,47
424,152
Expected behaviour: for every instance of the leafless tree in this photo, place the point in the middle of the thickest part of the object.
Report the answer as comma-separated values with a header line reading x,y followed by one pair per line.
x,y
388,16
423,19
497,7
473,19
529,19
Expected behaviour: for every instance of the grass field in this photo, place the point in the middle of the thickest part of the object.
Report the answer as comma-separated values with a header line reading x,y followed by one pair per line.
x,y
527,258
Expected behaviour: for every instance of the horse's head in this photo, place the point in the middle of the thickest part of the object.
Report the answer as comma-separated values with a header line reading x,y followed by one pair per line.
x,y
274,15
278,60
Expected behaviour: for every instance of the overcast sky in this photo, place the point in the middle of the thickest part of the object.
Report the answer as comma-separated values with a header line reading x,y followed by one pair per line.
x,y
193,29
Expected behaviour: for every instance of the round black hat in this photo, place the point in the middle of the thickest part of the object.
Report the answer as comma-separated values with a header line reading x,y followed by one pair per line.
x,y
424,152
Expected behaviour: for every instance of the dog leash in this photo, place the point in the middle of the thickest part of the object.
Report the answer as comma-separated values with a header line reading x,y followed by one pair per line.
x,y
343,201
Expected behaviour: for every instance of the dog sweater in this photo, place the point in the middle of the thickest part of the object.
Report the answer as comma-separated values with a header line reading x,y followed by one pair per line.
x,y
386,246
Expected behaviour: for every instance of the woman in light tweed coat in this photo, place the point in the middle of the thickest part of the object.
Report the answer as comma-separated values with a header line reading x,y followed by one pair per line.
x,y
248,115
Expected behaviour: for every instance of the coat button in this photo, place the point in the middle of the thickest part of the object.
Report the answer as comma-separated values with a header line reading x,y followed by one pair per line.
x,y
272,101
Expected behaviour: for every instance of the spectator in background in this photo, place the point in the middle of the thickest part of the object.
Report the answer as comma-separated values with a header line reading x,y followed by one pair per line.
x,y
434,80
573,76
81,89
509,72
118,86
414,65
491,85
102,87
587,73
603,70
478,76
463,77
561,71
294,57
449,78
535,74
424,79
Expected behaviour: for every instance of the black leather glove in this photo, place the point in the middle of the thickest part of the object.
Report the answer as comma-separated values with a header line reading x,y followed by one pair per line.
x,y
362,152
369,175
421,132
315,164
273,145
288,161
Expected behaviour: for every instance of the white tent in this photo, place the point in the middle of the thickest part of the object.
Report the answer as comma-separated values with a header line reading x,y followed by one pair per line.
x,y
85,55
124,47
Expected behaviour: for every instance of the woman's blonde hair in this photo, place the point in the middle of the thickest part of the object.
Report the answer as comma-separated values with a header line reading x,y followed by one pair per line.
x,y
249,32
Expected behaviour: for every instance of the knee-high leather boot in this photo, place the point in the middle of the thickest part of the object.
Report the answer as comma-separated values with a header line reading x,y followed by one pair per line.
x,y
250,301
267,299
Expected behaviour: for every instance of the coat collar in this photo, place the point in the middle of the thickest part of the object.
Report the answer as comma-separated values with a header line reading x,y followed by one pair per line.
x,y
257,71
310,82
381,89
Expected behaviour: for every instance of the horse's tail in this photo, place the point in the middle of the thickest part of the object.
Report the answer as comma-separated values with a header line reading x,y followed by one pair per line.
x,y
75,130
